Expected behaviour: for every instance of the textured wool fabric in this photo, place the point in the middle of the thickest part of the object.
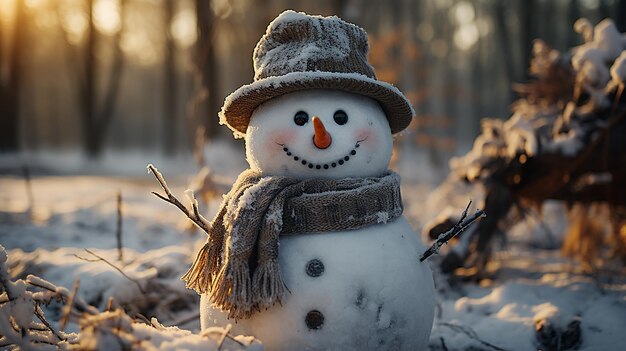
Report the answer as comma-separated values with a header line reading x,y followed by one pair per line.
x,y
238,265
301,52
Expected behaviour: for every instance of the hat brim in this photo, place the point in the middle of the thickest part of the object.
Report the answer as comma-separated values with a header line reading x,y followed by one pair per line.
x,y
239,105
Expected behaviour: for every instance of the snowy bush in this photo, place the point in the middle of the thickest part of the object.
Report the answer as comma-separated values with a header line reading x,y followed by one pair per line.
x,y
23,324
564,141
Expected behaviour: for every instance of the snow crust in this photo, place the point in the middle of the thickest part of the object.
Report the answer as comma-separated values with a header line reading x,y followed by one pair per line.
x,y
590,58
618,70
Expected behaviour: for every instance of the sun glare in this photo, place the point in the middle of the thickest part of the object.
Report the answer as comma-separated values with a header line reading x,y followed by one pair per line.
x,y
7,11
467,34
32,4
107,16
183,27
74,21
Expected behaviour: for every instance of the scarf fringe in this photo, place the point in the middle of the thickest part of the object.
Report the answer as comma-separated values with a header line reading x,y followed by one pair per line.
x,y
199,276
268,287
232,290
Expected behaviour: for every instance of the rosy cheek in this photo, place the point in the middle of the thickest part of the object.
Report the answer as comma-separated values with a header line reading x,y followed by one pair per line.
x,y
277,138
367,138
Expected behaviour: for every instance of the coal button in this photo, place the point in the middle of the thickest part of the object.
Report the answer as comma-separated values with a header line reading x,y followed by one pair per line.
x,y
314,319
314,268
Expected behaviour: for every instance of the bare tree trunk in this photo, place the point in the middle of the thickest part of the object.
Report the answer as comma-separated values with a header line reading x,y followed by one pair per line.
x,y
10,88
207,101
170,87
573,15
96,120
88,88
115,76
527,35
620,15
338,7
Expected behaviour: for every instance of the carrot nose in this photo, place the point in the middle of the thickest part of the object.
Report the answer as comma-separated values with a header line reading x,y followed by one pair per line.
x,y
321,139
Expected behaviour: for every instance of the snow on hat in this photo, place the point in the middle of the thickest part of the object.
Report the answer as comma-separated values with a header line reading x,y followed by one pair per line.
x,y
301,52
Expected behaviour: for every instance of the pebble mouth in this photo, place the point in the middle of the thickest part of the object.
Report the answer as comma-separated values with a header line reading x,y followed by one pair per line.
x,y
311,165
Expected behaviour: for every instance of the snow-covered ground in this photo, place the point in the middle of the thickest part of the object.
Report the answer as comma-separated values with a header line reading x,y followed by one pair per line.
x,y
72,213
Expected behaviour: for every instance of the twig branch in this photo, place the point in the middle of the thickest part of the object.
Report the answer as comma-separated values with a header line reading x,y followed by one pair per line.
x,y
223,336
194,216
29,189
471,334
62,293
118,229
226,335
42,318
100,258
67,310
458,228
192,318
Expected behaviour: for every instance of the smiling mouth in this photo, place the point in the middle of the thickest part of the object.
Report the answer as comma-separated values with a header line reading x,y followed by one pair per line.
x,y
311,165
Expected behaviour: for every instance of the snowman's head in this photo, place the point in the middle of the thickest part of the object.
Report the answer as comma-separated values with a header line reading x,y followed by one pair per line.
x,y
319,134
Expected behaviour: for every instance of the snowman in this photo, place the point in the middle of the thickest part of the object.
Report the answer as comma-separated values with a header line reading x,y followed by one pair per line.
x,y
309,250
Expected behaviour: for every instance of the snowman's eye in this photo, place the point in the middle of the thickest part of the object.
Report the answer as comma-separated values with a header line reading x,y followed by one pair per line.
x,y
301,118
340,117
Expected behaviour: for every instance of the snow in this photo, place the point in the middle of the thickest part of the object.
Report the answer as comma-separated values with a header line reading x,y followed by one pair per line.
x,y
541,276
290,16
504,313
568,144
618,70
382,217
112,330
332,41
590,58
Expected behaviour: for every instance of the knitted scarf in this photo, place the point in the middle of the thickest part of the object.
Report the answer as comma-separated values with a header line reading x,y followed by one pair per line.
x,y
238,265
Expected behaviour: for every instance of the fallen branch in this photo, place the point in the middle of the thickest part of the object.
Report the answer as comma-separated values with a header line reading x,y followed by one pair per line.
x,y
193,318
29,190
58,292
457,229
223,337
193,215
40,315
222,334
118,229
100,258
67,309
470,333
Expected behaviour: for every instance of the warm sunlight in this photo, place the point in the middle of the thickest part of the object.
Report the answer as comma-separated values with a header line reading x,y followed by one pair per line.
x,y
74,22
7,12
467,34
107,16
183,27
361,175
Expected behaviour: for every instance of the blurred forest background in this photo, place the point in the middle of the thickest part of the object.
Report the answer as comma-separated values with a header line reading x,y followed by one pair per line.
x,y
100,76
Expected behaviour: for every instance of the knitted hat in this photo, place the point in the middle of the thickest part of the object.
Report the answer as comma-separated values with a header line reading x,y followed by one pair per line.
x,y
301,52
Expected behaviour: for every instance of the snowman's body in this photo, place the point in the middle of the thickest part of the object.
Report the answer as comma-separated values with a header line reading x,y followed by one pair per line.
x,y
372,292
361,289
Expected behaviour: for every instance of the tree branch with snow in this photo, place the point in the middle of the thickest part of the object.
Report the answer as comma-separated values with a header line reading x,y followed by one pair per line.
x,y
463,223
194,215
